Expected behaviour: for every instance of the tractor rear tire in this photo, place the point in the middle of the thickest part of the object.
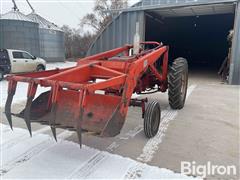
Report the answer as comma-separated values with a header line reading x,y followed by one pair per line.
x,y
152,119
177,83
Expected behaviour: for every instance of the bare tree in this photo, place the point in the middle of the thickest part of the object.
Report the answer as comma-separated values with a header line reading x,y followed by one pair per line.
x,y
101,15
68,33
76,45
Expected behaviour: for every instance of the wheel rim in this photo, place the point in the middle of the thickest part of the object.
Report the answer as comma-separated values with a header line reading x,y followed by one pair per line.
x,y
155,119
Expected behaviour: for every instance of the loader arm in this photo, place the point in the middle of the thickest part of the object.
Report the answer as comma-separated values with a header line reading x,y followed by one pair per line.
x,y
94,95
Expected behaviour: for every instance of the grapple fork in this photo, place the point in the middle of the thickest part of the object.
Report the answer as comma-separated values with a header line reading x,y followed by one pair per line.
x,y
92,96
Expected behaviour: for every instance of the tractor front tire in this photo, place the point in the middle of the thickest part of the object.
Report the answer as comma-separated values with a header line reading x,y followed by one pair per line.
x,y
177,83
152,119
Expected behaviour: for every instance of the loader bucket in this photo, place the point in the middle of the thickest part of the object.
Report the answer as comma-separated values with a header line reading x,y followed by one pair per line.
x,y
73,102
100,113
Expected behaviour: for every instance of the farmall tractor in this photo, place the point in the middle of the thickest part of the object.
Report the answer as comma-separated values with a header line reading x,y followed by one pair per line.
x,y
95,94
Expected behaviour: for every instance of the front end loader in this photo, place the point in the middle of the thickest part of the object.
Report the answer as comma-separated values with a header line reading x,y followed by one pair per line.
x,y
95,94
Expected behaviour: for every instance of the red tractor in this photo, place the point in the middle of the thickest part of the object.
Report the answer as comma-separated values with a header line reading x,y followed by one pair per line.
x,y
95,95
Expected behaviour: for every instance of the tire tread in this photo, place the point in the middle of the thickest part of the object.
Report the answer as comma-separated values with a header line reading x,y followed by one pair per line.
x,y
178,67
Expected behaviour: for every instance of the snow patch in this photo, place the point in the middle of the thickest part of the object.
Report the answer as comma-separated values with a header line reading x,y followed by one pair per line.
x,y
41,157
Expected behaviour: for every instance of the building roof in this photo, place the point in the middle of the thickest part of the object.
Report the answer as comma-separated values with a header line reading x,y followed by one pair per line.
x,y
15,15
164,4
43,23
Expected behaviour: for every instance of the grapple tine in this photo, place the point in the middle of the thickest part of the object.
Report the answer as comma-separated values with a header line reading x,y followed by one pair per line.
x,y
53,128
79,116
8,109
52,120
11,92
27,115
79,134
32,88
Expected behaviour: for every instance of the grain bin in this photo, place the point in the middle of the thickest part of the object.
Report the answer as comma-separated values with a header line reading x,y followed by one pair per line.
x,y
17,31
51,39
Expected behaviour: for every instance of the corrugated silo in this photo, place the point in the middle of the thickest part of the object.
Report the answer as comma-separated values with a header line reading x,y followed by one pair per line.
x,y
51,39
17,31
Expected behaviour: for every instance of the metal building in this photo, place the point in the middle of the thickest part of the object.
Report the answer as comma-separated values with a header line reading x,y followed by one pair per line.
x,y
17,31
196,29
51,39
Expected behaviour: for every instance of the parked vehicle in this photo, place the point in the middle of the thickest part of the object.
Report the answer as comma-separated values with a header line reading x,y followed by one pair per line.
x,y
18,61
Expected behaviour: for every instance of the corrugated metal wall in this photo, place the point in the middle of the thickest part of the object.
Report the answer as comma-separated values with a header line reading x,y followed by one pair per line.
x,y
20,35
51,39
119,32
51,45
235,63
